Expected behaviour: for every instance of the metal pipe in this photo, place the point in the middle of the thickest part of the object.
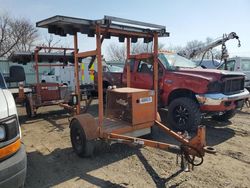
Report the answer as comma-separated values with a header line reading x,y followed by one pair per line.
x,y
118,32
77,84
37,72
52,65
156,72
53,48
144,142
36,66
99,81
172,133
127,63
86,54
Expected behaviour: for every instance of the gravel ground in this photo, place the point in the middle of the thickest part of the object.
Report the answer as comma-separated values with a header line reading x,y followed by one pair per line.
x,y
52,162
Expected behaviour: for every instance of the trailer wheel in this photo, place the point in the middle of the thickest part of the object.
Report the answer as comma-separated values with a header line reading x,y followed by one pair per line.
x,y
184,114
82,146
28,108
226,116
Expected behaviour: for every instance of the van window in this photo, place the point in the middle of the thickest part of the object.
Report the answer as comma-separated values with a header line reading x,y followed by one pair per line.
x,y
245,65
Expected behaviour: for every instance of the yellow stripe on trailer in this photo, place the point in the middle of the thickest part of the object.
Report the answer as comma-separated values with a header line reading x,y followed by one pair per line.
x,y
91,72
82,70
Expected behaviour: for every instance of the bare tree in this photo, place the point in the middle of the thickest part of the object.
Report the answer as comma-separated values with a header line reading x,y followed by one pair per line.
x,y
174,48
16,35
118,52
50,41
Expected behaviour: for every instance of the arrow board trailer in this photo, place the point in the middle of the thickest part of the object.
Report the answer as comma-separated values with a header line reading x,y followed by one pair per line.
x,y
57,86
130,112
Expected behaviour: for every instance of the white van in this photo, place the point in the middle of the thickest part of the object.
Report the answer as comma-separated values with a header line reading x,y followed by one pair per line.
x,y
13,160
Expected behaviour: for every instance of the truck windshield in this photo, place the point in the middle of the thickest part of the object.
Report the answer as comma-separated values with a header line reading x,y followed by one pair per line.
x,y
173,61
2,82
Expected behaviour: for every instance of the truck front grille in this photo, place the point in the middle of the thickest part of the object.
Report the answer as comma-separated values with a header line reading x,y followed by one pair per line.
x,y
233,85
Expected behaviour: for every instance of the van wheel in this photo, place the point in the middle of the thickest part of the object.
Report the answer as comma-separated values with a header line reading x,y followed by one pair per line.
x,y
226,116
80,144
184,114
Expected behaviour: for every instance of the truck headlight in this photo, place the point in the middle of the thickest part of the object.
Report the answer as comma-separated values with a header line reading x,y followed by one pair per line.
x,y
2,133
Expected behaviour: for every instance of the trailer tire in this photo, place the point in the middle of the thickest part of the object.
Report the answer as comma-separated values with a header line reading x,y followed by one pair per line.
x,y
184,114
28,108
224,117
82,146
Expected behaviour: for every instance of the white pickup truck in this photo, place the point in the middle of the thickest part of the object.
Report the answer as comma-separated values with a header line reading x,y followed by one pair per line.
x,y
13,160
65,75
240,64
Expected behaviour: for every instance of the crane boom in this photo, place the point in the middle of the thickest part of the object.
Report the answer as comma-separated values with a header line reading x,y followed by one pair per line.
x,y
221,41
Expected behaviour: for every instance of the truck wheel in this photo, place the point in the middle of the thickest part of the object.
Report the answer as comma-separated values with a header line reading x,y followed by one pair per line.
x,y
226,116
184,114
80,144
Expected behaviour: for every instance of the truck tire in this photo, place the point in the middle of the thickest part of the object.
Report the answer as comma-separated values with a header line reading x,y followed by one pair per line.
x,y
184,114
80,144
226,116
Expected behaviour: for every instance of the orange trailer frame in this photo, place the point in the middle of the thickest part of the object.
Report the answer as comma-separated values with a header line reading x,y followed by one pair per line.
x,y
37,65
37,57
89,129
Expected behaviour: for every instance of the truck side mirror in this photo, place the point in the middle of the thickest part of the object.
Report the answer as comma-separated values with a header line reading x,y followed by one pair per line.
x,y
16,74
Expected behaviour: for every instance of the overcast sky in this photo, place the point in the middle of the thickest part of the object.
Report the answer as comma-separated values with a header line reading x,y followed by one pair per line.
x,y
185,20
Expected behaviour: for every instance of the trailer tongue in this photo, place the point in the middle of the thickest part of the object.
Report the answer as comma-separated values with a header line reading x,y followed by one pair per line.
x,y
130,112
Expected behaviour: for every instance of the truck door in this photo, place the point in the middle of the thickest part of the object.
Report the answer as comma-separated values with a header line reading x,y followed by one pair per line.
x,y
245,68
143,77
